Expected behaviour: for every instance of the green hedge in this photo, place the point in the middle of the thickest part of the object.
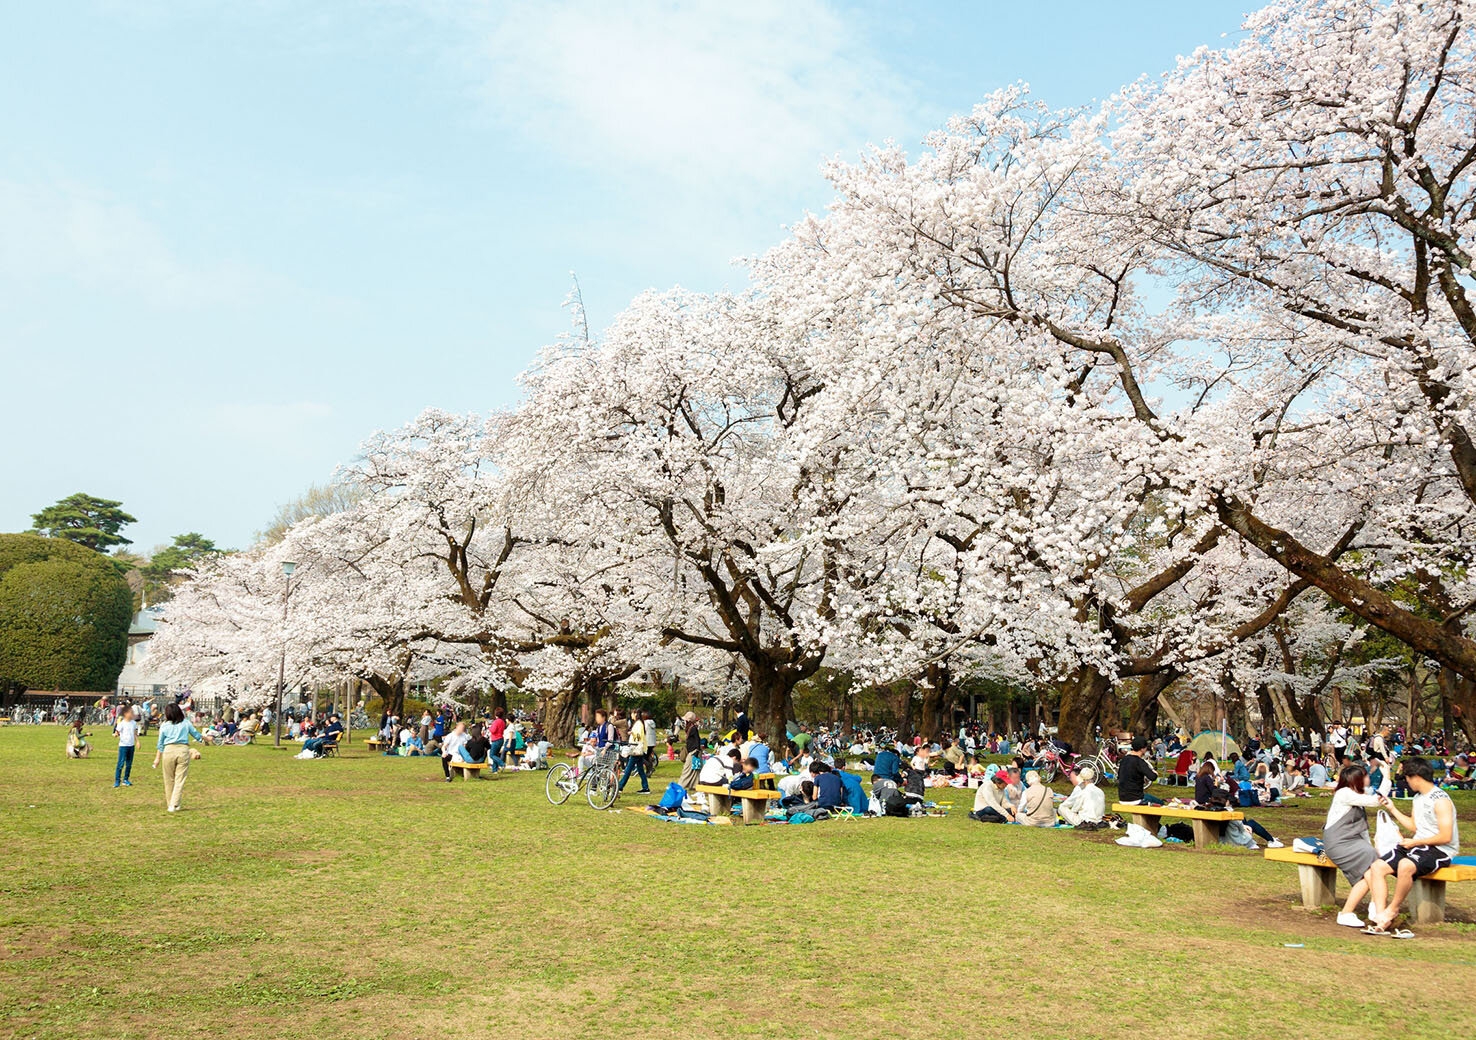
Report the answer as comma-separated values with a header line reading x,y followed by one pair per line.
x,y
64,615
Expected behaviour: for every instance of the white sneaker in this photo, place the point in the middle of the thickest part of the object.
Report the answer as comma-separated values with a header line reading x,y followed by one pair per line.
x,y
1274,844
1350,920
173,809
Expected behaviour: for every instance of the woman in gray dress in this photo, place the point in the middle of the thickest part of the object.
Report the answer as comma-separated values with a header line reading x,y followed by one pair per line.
x,y
1345,838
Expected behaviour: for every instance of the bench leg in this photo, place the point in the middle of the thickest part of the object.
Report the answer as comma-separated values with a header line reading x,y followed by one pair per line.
x,y
1427,902
719,806
1205,834
1148,823
1319,885
753,810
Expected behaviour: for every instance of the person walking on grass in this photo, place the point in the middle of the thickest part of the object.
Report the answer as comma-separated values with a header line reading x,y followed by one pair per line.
x,y
127,730
175,752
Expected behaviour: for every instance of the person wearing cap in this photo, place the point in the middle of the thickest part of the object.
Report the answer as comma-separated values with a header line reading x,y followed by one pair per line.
x,y
990,805
1014,788
1086,803
1134,774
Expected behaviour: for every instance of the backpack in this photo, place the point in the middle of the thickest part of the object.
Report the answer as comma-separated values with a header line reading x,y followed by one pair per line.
x,y
894,803
741,782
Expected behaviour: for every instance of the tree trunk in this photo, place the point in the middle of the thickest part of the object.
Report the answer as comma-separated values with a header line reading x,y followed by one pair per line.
x,y
1458,697
1305,709
1268,708
1150,688
391,694
1081,706
934,695
560,713
769,692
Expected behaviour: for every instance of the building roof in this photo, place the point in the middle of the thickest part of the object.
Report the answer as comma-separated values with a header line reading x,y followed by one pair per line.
x,y
146,621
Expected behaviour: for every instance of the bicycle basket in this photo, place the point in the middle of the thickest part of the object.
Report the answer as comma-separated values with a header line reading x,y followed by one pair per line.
x,y
608,755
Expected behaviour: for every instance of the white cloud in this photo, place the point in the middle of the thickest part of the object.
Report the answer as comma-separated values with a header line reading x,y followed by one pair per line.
x,y
749,95
69,231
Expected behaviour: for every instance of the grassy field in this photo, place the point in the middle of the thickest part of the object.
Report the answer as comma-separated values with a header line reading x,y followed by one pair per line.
x,y
364,897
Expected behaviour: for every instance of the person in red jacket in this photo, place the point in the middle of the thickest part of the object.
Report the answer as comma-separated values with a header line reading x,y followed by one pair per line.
x,y
1182,765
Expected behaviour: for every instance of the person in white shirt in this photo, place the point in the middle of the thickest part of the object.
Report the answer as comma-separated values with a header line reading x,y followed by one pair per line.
x,y
719,769
450,744
1086,803
1435,842
1337,738
127,729
1345,836
648,725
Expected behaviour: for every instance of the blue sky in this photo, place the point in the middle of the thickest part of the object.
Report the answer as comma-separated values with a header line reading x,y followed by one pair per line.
x,y
236,238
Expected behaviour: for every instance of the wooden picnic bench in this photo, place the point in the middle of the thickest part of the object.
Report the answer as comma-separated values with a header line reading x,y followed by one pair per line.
x,y
1319,883
1205,835
468,769
754,799
376,744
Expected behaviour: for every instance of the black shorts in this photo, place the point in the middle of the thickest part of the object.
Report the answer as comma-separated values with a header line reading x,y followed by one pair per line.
x,y
1426,858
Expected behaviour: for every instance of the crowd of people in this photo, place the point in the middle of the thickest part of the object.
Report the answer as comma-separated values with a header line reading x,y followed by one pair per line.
x,y
821,772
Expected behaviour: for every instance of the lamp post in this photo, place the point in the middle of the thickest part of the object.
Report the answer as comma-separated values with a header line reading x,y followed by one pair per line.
x,y
287,568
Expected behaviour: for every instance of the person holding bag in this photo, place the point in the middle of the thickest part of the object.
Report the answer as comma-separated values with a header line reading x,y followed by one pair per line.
x,y
175,752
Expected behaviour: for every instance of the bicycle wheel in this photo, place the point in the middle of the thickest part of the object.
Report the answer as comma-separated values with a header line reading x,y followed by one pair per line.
x,y
1046,768
603,789
560,783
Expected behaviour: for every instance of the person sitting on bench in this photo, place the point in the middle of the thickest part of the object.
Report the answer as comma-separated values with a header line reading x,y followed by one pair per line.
x,y
744,780
474,751
1134,774
1211,797
1086,803
1345,838
1435,841
720,768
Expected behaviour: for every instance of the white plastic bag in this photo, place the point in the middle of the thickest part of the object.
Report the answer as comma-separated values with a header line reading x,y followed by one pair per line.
x,y
1138,838
1386,834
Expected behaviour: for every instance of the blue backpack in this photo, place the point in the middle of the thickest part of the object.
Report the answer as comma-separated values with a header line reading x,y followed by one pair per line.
x,y
673,797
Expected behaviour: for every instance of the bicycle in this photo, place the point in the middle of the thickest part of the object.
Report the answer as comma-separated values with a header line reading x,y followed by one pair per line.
x,y
1050,760
600,781
1104,763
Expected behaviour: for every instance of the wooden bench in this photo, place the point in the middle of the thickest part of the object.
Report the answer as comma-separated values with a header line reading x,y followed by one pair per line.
x,y
754,799
1319,883
1205,835
468,769
377,745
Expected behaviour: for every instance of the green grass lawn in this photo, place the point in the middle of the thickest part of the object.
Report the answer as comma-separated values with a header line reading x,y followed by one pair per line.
x,y
364,897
